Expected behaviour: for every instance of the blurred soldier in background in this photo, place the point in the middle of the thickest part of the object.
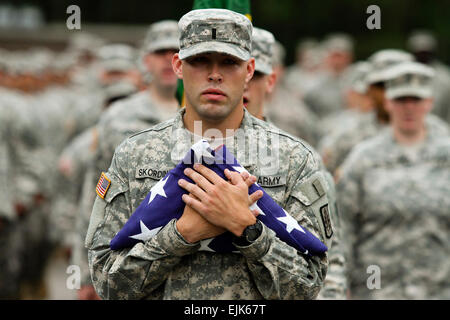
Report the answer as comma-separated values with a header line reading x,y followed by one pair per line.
x,y
334,148
119,78
124,118
393,195
326,96
284,109
423,45
306,72
357,102
255,97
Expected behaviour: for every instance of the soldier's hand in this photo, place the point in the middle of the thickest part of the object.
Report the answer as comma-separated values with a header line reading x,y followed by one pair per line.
x,y
221,203
193,227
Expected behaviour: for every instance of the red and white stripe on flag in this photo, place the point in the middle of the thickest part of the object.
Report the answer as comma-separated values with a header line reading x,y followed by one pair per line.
x,y
102,185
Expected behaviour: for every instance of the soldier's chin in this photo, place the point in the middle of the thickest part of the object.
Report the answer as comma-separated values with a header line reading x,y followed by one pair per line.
x,y
214,112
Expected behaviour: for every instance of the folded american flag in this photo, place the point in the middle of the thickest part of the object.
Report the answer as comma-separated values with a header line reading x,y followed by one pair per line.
x,y
163,203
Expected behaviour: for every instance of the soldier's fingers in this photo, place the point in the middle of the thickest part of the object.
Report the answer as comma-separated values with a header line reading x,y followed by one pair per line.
x,y
255,212
193,203
245,175
200,180
250,180
192,188
208,173
233,176
255,196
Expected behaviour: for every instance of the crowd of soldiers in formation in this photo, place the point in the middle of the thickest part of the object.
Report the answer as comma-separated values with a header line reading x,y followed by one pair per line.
x,y
62,114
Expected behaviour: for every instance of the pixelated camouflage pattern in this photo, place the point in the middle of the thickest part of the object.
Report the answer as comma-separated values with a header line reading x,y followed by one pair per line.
x,y
335,147
215,30
409,79
166,267
396,213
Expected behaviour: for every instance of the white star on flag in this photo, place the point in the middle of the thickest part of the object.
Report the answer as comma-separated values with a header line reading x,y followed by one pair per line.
x,y
158,188
290,223
201,150
204,245
146,233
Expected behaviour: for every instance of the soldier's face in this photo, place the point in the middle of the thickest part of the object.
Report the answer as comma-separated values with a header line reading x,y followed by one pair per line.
x,y
159,64
255,93
408,113
213,83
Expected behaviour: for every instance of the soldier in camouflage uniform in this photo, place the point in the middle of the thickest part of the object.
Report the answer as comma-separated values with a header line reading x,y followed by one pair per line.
x,y
9,264
327,96
215,63
336,147
118,73
254,100
423,45
285,110
357,101
307,71
126,117
393,193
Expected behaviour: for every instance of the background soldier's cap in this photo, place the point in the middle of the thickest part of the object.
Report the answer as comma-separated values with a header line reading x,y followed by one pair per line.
x,y
355,78
422,41
119,89
381,61
117,57
215,30
338,42
410,79
162,35
262,50
279,54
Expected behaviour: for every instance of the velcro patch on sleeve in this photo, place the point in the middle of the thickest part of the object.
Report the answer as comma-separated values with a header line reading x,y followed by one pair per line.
x,y
325,214
102,185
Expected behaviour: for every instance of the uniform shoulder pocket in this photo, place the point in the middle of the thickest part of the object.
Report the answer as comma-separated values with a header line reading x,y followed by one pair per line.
x,y
314,193
106,192
108,187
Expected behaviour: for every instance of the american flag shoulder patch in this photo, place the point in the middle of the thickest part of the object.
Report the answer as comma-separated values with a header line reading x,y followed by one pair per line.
x,y
102,185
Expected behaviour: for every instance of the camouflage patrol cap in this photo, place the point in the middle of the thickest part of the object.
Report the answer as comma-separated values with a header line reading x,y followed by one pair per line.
x,y
117,57
355,78
162,35
422,40
409,79
338,42
262,50
382,60
215,30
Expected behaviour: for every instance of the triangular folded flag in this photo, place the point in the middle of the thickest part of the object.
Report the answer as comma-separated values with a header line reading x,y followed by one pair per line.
x,y
163,203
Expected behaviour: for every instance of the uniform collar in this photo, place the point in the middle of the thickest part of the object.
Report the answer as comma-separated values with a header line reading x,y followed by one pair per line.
x,y
184,139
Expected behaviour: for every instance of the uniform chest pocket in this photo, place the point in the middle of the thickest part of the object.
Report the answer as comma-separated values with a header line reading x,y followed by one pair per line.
x,y
274,185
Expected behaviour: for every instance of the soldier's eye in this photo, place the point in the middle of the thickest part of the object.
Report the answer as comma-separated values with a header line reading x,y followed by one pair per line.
x,y
229,61
197,60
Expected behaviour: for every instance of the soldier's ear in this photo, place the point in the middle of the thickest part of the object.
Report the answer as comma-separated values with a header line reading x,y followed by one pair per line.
x,y
271,81
177,65
250,69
